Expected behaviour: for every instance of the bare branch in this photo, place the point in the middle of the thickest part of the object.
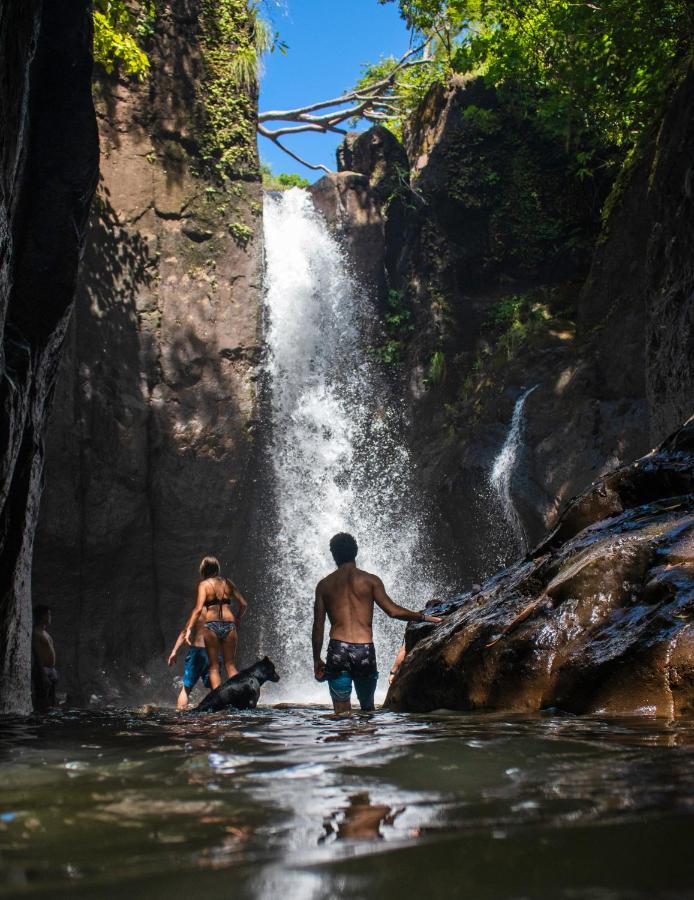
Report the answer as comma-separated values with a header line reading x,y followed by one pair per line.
x,y
374,102
303,162
349,97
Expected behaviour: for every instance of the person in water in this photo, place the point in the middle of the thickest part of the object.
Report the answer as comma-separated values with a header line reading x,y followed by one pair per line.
x,y
397,662
347,597
46,674
196,667
219,606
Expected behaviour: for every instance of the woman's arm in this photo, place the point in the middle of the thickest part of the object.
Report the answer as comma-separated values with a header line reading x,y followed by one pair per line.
x,y
240,599
197,609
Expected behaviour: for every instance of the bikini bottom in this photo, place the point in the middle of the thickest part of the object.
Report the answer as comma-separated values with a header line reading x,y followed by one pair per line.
x,y
221,629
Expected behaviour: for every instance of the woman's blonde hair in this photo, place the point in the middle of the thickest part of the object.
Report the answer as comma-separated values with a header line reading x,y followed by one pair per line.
x,y
209,567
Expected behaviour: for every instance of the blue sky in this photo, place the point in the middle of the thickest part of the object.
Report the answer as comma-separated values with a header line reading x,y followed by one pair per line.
x,y
329,41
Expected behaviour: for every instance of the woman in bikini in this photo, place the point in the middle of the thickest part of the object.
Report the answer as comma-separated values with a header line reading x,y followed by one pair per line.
x,y
220,606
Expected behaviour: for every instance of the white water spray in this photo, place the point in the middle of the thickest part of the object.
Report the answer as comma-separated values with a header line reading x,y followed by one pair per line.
x,y
504,465
338,459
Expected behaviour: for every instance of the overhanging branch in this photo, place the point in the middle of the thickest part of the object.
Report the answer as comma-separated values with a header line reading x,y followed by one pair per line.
x,y
374,102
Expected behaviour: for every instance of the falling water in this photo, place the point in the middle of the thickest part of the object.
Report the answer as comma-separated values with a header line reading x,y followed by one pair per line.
x,y
504,465
338,459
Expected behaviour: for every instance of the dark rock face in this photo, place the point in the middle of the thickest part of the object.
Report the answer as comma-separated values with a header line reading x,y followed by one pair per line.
x,y
597,619
641,282
491,219
379,155
348,205
151,450
48,171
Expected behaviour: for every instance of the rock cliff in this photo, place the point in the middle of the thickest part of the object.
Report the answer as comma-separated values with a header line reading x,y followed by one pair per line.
x,y
596,620
150,455
498,264
48,171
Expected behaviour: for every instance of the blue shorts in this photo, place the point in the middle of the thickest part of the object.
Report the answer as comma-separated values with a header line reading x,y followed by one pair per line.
x,y
197,666
348,664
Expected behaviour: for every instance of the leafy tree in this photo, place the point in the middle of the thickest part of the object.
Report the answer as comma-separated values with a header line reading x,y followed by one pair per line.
x,y
593,73
281,182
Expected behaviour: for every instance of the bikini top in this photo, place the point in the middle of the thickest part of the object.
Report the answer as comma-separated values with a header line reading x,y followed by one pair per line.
x,y
218,601
214,601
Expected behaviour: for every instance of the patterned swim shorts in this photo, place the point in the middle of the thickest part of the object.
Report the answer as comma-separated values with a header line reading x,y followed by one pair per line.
x,y
346,663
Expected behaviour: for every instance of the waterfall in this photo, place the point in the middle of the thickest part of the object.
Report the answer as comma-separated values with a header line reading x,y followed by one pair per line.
x,y
504,465
337,456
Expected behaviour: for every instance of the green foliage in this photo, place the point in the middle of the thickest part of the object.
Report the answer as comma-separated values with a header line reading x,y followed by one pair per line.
x,y
119,29
281,182
241,233
399,325
232,38
437,369
411,86
592,74
517,321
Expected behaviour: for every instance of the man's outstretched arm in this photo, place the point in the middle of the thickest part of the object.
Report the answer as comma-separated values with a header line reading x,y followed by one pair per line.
x,y
391,608
317,634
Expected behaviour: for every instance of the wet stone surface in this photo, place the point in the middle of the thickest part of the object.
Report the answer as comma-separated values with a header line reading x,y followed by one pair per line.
x,y
597,619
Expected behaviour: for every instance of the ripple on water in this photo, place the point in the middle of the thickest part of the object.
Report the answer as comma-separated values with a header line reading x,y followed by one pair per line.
x,y
111,804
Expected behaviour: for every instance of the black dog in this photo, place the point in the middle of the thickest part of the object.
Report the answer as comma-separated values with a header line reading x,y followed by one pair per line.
x,y
242,691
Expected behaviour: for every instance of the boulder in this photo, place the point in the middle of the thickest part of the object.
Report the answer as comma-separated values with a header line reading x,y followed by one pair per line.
x,y
379,155
598,619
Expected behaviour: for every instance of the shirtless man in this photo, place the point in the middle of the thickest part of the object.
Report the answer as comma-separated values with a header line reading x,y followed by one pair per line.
x,y
196,665
347,596
44,652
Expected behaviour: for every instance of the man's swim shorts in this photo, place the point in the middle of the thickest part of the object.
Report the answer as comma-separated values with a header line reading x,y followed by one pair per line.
x,y
347,663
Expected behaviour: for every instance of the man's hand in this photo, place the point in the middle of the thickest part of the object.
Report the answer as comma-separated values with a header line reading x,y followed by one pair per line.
x,y
189,631
433,620
319,670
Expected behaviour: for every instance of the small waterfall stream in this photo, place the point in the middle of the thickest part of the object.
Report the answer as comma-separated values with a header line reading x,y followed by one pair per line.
x,y
338,460
503,468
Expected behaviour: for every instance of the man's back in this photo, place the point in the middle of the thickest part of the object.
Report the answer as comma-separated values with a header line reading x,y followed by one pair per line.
x,y
348,597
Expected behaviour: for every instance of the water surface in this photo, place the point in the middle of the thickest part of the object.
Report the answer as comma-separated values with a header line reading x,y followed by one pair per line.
x,y
293,803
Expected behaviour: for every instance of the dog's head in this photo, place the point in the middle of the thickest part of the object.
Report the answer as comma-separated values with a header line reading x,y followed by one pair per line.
x,y
267,670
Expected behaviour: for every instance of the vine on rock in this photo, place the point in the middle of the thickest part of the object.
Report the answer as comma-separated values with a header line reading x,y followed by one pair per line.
x,y
231,38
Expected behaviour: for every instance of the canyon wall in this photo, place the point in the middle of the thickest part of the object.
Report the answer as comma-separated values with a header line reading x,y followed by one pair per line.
x,y
500,277
151,451
48,171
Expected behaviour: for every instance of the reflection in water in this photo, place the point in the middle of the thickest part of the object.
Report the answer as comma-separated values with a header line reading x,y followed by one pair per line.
x,y
361,820
295,803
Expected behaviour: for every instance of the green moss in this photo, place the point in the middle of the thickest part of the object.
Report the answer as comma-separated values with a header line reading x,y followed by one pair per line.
x,y
227,130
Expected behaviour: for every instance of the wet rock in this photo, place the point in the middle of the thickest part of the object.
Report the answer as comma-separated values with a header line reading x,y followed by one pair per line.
x,y
598,619
48,171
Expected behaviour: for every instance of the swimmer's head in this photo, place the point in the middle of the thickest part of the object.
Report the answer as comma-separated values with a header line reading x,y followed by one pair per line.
x,y
343,548
209,567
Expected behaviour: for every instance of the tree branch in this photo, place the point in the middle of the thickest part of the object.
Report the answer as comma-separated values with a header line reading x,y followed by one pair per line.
x,y
372,102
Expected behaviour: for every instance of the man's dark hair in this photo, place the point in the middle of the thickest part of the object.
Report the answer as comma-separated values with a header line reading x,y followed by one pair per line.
x,y
40,611
343,548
